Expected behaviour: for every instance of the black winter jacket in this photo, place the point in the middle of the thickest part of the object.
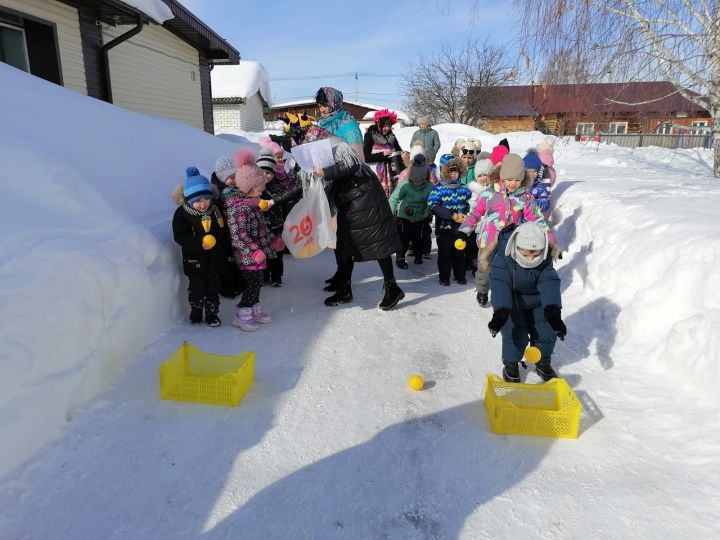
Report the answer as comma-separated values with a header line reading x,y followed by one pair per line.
x,y
366,226
188,231
373,136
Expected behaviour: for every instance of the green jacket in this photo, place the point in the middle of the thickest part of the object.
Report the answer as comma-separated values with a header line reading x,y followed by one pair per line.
x,y
430,141
470,175
412,200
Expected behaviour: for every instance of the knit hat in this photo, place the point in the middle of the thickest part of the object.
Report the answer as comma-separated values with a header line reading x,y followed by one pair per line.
x,y
224,168
512,168
483,167
483,155
248,175
532,160
274,147
505,143
419,170
445,158
266,160
545,152
196,186
498,153
530,236
424,120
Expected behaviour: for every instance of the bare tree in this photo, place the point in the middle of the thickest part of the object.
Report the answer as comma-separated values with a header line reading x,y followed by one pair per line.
x,y
565,67
626,40
439,84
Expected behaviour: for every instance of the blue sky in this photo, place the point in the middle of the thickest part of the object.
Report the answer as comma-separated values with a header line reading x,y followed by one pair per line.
x,y
294,39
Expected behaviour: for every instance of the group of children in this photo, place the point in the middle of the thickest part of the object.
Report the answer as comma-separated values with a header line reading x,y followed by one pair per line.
x,y
231,242
489,212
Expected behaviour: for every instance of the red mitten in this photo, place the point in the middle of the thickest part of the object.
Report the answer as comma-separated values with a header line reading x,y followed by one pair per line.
x,y
258,256
277,244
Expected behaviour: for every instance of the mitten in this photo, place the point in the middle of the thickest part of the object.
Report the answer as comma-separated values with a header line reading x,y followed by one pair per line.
x,y
409,211
458,218
499,318
277,244
258,256
552,314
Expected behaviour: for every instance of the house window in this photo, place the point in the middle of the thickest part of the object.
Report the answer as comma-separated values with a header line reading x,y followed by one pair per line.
x,y
618,127
700,127
13,48
584,128
665,128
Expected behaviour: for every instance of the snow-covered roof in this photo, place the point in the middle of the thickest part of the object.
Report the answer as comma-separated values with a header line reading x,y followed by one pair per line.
x,y
157,10
241,81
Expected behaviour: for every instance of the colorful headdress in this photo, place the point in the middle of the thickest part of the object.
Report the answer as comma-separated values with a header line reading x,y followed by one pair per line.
x,y
296,125
385,115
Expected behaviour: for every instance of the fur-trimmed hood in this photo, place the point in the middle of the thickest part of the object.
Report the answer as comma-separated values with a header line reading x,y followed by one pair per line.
x,y
457,162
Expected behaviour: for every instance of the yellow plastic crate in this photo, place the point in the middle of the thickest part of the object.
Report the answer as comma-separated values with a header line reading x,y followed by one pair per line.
x,y
190,374
549,410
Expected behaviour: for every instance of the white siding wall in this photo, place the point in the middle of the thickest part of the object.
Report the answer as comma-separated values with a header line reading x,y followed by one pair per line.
x,y
246,116
68,36
155,72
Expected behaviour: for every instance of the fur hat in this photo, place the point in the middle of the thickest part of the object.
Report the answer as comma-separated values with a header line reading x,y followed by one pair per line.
x,y
384,116
456,147
483,167
416,150
419,170
196,186
224,168
248,175
476,142
512,168
469,145
498,153
266,160
532,160
451,165
529,236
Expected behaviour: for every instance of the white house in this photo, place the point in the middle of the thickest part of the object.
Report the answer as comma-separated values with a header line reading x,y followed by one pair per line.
x,y
240,96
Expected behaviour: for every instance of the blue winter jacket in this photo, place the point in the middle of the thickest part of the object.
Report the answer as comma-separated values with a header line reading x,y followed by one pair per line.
x,y
514,287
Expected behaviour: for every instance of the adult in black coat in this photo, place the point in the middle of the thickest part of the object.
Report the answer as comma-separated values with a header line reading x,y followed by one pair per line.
x,y
366,227
379,142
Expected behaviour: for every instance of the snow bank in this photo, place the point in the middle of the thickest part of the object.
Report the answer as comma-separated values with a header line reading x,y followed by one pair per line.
x,y
155,9
89,274
241,81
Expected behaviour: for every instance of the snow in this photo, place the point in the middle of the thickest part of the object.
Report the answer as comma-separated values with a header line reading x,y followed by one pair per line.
x,y
329,442
241,81
155,9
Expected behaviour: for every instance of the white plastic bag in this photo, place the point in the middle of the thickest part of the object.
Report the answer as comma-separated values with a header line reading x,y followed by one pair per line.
x,y
308,227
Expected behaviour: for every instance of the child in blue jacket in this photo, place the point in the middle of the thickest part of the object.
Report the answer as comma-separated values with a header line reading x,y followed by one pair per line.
x,y
525,298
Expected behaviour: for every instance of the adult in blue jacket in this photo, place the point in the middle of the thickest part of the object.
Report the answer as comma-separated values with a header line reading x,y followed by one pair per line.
x,y
525,298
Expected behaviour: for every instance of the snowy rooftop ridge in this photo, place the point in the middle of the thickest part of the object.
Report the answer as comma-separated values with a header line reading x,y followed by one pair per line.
x,y
157,10
241,81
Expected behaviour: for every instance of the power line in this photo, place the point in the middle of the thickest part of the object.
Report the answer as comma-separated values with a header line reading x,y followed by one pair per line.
x,y
336,75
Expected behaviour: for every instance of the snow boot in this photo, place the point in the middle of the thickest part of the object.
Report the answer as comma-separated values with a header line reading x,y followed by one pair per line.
x,y
400,262
343,295
244,319
545,370
196,312
511,372
211,313
259,316
393,294
482,299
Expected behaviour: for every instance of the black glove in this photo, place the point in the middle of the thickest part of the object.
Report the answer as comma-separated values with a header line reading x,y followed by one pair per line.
x,y
499,318
552,314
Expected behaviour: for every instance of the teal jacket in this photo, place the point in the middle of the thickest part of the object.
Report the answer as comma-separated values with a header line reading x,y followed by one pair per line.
x,y
412,200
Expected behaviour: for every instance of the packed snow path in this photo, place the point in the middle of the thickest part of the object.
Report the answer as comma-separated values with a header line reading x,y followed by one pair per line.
x,y
330,443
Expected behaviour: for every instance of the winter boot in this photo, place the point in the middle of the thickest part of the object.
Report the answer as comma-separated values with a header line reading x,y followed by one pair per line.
x,y
211,313
393,294
511,372
343,295
400,261
545,370
244,319
418,260
258,315
196,312
482,299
